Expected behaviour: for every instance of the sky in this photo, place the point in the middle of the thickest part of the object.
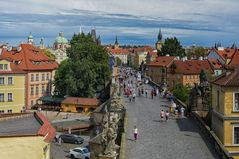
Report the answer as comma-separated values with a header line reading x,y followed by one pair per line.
x,y
200,22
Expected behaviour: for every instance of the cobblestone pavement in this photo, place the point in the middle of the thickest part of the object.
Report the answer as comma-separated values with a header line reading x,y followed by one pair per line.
x,y
174,139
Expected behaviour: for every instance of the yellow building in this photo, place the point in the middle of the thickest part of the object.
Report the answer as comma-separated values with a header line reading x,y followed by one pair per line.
x,y
25,136
75,104
225,114
12,88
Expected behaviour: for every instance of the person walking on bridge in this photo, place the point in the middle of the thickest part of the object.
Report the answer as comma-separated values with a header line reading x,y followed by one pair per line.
x,y
135,133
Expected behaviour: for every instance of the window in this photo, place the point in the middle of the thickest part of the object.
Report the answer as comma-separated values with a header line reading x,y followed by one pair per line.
x,y
5,66
37,90
1,80
43,89
9,96
47,76
1,111
43,77
1,66
236,101
9,80
32,102
37,77
32,77
235,134
9,111
32,90
1,97
218,99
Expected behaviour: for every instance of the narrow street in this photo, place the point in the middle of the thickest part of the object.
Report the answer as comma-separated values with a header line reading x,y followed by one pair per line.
x,y
174,139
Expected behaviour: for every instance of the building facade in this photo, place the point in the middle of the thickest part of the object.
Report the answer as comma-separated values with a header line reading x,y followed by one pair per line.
x,y
40,71
28,135
225,114
12,88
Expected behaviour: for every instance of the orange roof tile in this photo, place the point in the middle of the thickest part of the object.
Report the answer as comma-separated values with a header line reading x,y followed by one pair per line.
x,y
81,101
215,63
192,66
229,78
162,61
143,49
30,58
235,60
227,53
46,128
14,69
119,51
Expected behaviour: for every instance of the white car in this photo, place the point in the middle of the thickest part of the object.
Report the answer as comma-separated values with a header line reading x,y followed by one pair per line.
x,y
79,152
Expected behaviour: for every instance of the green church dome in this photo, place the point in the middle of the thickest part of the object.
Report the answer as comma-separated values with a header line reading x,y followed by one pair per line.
x,y
61,39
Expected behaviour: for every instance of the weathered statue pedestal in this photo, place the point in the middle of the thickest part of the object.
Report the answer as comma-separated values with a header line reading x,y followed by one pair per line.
x,y
113,156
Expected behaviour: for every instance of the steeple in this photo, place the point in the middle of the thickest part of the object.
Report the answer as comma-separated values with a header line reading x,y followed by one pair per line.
x,y
99,40
160,37
30,39
42,46
159,42
93,34
116,45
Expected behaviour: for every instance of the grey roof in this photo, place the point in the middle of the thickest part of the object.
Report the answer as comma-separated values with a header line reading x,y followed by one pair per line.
x,y
26,125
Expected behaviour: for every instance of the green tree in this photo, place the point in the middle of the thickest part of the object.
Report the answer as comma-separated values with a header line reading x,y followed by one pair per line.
x,y
182,92
85,71
49,54
197,52
118,61
172,47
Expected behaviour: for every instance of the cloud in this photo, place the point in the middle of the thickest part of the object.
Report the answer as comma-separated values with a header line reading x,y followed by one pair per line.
x,y
137,19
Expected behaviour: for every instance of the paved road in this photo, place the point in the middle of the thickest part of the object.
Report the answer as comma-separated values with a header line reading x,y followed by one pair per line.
x,y
174,139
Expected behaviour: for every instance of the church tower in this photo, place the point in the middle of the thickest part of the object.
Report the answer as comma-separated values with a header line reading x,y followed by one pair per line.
x,y
30,39
159,42
116,45
42,46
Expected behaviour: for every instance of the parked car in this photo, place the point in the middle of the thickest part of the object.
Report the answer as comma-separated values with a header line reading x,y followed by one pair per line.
x,y
80,153
71,138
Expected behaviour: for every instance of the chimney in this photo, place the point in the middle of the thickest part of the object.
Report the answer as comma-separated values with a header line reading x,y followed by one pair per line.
x,y
220,48
167,54
200,58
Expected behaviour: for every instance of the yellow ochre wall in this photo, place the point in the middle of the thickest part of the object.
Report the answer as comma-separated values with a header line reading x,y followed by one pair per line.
x,y
24,148
17,88
224,128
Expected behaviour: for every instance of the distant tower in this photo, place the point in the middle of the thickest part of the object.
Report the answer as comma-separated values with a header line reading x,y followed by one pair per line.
x,y
42,46
30,39
93,34
159,42
99,40
116,46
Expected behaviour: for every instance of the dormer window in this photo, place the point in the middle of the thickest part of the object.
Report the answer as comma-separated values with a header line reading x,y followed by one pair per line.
x,y
3,66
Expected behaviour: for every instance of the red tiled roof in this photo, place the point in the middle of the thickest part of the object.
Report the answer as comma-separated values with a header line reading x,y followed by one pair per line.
x,y
30,58
215,63
235,60
229,78
119,51
46,129
14,69
162,61
143,49
226,53
192,66
81,101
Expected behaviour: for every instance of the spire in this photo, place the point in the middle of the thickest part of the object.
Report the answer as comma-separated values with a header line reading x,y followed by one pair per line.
x,y
116,41
42,46
160,37
80,29
99,40
93,34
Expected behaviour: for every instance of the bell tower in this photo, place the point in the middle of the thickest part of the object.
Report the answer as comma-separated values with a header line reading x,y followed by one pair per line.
x,y
159,42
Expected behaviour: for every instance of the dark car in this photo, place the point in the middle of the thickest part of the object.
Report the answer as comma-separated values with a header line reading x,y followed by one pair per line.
x,y
71,138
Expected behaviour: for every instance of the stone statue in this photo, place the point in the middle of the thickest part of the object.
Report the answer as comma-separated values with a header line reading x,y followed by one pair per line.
x,y
203,77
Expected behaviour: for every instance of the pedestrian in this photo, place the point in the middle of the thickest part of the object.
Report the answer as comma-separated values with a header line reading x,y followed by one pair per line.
x,y
157,91
146,93
135,133
59,141
134,96
152,94
166,115
139,92
182,111
162,114
142,91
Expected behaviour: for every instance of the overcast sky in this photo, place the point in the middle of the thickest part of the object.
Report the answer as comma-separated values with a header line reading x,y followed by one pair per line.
x,y
202,22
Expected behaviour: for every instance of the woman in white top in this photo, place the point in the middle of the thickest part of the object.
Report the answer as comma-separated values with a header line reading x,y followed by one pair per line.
x,y
135,133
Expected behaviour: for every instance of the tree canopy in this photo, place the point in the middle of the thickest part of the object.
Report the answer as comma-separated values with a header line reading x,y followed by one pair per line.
x,y
85,71
172,47
196,52
50,54
181,92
